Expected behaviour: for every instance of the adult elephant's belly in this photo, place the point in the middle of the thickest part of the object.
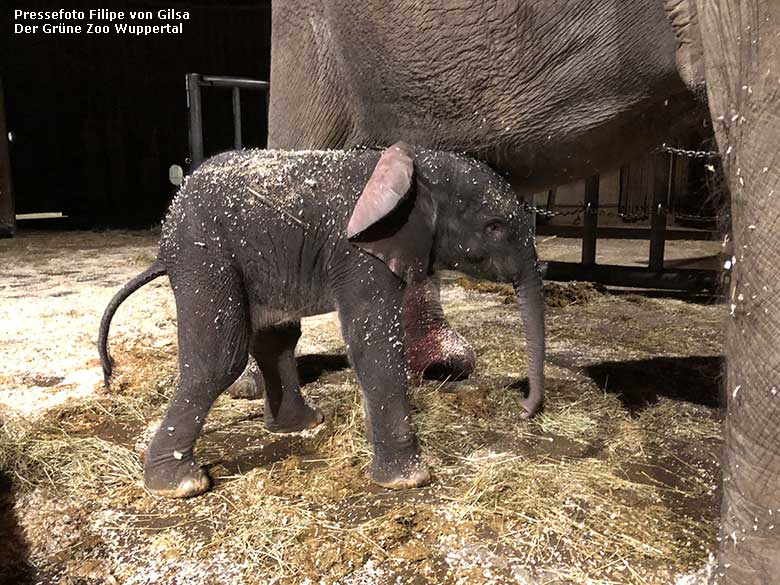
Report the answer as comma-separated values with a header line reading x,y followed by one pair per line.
x,y
547,92
555,146
612,138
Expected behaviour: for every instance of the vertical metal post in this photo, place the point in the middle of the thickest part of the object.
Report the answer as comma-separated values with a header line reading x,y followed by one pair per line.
x,y
590,221
236,118
663,168
7,213
195,108
551,194
267,115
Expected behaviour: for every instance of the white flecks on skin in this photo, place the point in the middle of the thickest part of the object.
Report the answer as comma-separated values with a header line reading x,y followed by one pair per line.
x,y
178,455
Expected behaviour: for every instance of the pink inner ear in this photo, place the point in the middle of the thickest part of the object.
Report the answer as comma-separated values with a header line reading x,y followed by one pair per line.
x,y
389,184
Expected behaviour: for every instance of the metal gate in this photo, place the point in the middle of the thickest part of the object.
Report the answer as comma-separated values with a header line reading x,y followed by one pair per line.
x,y
195,84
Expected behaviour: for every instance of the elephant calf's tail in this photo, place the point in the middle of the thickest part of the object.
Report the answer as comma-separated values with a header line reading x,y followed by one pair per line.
x,y
154,271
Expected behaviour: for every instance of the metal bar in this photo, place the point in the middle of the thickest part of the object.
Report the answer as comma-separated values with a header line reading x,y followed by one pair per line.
x,y
41,215
242,82
590,221
551,194
236,118
661,177
542,219
627,233
267,117
687,279
195,108
7,213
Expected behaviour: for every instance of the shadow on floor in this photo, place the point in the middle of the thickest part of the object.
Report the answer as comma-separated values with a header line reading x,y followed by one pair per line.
x,y
702,298
14,552
312,367
640,383
711,262
258,455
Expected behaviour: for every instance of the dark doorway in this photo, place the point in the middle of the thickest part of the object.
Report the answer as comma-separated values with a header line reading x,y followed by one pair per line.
x,y
98,119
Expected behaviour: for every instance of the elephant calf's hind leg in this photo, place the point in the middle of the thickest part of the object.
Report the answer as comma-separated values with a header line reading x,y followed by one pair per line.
x,y
213,349
286,410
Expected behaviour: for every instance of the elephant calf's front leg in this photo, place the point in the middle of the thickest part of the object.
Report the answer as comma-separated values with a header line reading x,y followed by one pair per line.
x,y
370,313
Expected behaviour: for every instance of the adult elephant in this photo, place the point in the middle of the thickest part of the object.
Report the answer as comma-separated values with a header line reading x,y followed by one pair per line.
x,y
547,92
557,90
741,40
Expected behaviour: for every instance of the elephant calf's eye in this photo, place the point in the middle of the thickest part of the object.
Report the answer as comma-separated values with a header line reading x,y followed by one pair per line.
x,y
495,229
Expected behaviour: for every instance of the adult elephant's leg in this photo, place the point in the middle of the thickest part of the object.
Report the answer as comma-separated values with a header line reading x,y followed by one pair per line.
x,y
742,56
311,103
433,347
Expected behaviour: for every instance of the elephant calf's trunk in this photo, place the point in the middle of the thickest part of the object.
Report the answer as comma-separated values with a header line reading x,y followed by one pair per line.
x,y
530,297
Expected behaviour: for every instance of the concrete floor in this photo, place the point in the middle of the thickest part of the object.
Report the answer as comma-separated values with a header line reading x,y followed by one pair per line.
x,y
678,253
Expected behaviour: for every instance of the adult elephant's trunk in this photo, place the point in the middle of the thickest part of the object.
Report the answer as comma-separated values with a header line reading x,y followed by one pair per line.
x,y
530,296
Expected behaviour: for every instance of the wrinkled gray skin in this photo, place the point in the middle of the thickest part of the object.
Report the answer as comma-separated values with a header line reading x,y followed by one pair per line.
x,y
243,272
742,52
553,90
547,91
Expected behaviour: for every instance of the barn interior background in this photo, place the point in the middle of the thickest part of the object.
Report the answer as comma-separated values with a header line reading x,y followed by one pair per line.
x,y
98,119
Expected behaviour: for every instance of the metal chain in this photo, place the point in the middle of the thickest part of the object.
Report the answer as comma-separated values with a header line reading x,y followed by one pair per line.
x,y
583,209
704,154
628,217
689,153
543,211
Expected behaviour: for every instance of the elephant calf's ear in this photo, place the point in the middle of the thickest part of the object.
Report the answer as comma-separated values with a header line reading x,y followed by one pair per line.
x,y
389,184
391,220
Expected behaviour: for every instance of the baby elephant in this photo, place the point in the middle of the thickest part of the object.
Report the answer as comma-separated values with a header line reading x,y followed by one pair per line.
x,y
257,239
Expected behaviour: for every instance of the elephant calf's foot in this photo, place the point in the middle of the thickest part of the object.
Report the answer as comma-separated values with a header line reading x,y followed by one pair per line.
x,y
292,420
439,353
177,478
400,472
245,388
250,386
